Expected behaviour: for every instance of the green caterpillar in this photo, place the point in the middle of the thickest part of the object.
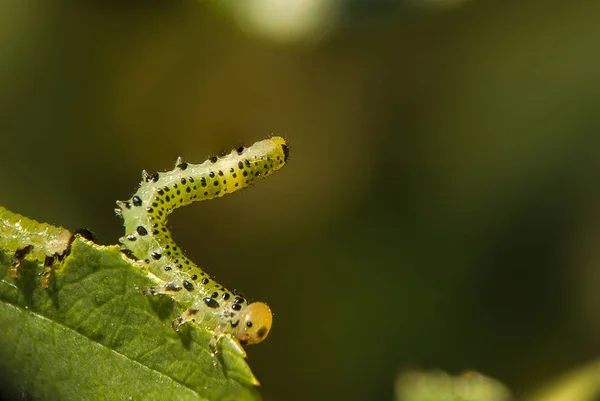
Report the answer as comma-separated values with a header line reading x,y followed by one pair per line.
x,y
31,240
148,239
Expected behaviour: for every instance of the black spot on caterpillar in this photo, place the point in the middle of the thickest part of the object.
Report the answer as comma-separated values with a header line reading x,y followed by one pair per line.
x,y
149,240
29,239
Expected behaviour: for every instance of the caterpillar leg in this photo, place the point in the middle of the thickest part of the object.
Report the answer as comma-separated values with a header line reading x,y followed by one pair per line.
x,y
163,288
192,314
18,257
188,315
222,329
168,288
198,314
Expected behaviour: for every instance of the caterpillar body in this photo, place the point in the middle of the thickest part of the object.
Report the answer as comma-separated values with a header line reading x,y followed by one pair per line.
x,y
31,240
149,240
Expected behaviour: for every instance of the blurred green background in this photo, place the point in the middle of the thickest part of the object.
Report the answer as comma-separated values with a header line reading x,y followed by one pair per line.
x,y
441,208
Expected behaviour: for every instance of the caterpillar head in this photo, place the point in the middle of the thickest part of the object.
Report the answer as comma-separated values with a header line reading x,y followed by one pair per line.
x,y
255,323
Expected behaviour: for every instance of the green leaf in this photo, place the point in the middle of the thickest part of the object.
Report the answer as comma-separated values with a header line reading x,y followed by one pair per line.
x,y
581,384
93,335
438,385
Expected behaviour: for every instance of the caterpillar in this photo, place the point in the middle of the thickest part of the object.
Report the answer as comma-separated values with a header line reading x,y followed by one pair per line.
x,y
148,239
29,239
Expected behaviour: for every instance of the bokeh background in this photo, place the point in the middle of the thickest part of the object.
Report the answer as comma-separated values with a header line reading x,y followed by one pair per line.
x,y
441,208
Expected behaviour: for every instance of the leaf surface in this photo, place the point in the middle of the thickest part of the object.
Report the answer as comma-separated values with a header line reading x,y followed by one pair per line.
x,y
93,335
